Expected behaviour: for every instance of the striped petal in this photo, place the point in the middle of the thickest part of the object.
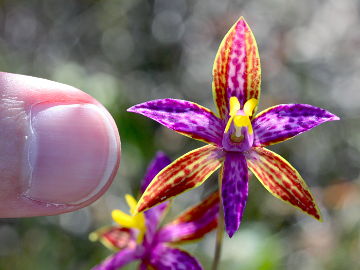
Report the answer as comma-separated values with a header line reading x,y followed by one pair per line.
x,y
282,180
234,190
154,215
185,117
169,258
187,172
236,70
114,237
194,223
118,260
282,122
156,165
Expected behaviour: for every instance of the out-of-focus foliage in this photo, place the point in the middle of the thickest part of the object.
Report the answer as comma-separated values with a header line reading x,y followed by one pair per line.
x,y
125,52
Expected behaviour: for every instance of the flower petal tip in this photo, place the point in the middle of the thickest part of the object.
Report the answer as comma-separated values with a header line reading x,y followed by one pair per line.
x,y
93,237
141,207
241,19
230,232
330,116
132,109
335,118
317,215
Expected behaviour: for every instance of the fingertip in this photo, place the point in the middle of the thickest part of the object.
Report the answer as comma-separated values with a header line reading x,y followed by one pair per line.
x,y
62,147
73,152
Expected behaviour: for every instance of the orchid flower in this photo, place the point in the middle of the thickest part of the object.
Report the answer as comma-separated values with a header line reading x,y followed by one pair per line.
x,y
236,137
139,237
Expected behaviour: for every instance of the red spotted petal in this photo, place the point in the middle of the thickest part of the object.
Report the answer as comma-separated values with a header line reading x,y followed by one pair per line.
x,y
234,190
187,172
282,122
236,70
282,180
169,258
185,117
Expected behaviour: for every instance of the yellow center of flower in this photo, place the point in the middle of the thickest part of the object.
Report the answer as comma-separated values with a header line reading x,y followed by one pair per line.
x,y
240,121
136,221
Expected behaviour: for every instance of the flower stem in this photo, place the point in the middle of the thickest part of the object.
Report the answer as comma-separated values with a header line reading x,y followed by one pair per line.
x,y
219,233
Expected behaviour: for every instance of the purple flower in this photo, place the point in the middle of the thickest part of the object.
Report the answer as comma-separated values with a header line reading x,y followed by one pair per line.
x,y
236,138
139,237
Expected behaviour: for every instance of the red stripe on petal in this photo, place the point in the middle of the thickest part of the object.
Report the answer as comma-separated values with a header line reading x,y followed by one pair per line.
x,y
253,68
194,223
282,180
220,73
115,238
199,209
187,172
236,70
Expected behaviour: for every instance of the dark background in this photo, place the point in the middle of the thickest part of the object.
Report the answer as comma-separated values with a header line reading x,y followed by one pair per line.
x,y
128,51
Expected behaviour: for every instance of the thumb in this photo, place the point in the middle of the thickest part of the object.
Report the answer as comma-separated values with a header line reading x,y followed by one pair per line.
x,y
59,147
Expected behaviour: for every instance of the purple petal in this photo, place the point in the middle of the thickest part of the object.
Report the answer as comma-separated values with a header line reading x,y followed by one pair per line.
x,y
234,190
119,259
282,122
153,217
168,258
157,164
194,223
185,117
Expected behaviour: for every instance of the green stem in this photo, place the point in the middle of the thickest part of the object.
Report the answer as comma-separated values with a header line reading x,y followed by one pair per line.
x,y
219,233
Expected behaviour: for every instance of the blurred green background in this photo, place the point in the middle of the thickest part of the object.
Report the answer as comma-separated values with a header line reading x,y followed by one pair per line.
x,y
128,51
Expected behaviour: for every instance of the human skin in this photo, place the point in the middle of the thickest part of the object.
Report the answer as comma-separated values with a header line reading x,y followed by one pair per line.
x,y
59,147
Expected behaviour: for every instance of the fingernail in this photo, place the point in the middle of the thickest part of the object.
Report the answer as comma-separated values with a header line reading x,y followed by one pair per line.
x,y
72,152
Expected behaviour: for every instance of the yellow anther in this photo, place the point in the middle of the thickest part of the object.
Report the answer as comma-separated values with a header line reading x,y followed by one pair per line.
x,y
130,200
241,121
250,106
234,106
136,221
123,219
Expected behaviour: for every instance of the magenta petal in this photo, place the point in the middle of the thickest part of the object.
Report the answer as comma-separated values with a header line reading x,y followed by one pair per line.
x,y
185,117
234,190
168,258
154,215
118,260
282,122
